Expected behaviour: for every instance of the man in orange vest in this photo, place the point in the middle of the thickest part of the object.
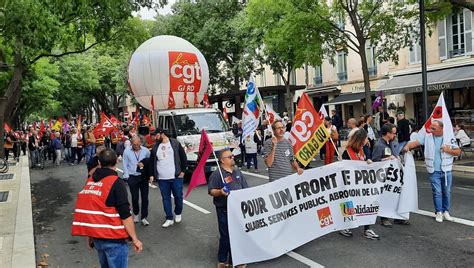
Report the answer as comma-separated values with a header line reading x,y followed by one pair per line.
x,y
102,214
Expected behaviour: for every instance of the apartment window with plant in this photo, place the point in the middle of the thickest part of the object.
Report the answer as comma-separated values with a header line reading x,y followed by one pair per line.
x,y
341,62
455,35
318,75
371,62
415,53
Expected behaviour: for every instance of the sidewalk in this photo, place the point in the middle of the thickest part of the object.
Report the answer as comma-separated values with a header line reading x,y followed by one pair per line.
x,y
17,248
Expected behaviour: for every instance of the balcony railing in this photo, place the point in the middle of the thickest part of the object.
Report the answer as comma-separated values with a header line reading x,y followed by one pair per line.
x,y
373,71
318,80
342,77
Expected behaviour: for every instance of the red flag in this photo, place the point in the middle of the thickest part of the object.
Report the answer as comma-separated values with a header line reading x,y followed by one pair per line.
x,y
226,117
6,127
105,126
171,102
196,102
114,120
199,177
152,103
136,120
146,121
308,133
205,101
42,128
78,125
185,102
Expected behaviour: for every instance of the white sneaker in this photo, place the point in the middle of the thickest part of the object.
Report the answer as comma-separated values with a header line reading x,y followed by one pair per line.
x,y
167,223
177,218
136,218
145,222
439,217
447,216
152,185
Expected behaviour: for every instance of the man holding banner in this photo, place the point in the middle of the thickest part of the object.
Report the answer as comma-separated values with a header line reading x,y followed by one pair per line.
x,y
279,155
437,136
221,182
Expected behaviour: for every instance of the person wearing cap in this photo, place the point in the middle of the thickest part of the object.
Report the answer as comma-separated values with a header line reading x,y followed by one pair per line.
x,y
221,183
168,163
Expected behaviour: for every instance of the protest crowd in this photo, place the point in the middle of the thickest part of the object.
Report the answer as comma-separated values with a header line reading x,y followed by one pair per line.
x,y
158,160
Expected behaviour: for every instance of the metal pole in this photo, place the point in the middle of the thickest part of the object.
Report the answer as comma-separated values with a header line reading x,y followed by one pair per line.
x,y
424,78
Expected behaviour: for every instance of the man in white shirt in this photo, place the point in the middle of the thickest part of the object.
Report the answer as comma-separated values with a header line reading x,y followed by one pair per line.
x,y
168,161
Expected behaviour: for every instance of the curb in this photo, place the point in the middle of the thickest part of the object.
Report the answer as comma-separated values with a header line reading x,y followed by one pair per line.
x,y
23,254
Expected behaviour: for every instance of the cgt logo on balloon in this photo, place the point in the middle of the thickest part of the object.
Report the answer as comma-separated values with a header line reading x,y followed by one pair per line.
x,y
185,72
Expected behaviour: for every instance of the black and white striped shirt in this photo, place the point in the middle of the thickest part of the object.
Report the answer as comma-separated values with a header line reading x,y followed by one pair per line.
x,y
284,157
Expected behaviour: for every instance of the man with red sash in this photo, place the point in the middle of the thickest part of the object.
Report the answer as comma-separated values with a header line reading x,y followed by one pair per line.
x,y
102,213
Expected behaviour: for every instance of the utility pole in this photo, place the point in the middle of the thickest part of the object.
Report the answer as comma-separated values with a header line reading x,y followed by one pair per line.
x,y
424,78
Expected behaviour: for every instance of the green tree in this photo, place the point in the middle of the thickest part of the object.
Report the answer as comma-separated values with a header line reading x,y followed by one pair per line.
x,y
215,27
357,25
35,29
287,38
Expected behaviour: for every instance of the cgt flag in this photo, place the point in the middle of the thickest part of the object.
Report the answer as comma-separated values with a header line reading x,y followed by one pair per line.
x,y
440,113
105,126
199,177
308,133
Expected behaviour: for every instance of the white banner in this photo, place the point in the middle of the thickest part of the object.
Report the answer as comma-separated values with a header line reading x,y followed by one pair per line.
x,y
271,219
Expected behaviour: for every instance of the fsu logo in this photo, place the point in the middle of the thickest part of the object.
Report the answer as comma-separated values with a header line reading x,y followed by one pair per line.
x,y
185,72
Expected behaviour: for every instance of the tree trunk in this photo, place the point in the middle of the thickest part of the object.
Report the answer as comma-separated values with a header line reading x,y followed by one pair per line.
x,y
289,96
13,86
365,73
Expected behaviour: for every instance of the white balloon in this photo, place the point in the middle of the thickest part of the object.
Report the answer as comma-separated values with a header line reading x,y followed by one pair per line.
x,y
167,63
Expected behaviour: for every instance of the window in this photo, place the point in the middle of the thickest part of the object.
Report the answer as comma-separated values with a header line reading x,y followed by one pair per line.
x,y
415,54
457,29
293,77
318,75
341,66
278,80
262,79
371,63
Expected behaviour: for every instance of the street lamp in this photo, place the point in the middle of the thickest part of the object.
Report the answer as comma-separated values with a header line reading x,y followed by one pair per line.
x,y
424,78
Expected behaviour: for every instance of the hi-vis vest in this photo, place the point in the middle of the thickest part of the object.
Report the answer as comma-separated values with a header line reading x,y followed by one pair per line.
x,y
100,140
92,217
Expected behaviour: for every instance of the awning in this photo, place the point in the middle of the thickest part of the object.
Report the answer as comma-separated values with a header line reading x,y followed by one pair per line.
x,y
456,77
322,91
347,98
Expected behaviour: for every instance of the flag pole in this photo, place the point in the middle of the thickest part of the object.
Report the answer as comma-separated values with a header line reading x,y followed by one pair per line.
x,y
335,148
218,166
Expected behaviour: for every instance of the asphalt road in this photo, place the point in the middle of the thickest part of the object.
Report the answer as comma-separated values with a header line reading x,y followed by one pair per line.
x,y
194,241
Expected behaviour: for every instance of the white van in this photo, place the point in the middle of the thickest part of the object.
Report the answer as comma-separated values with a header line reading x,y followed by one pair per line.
x,y
186,125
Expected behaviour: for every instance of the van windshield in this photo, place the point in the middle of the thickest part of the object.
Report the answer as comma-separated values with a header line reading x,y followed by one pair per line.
x,y
193,123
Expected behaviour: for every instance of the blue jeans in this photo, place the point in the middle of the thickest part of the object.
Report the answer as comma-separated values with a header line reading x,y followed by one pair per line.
x,y
111,254
90,151
251,158
441,190
224,254
175,186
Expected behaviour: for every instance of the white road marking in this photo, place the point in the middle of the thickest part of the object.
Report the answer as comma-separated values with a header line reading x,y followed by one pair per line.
x,y
456,220
255,175
462,188
196,207
303,259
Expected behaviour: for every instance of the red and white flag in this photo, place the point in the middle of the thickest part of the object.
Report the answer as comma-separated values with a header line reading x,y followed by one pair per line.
x,y
271,115
205,150
114,120
205,101
171,102
323,111
6,127
105,126
440,113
